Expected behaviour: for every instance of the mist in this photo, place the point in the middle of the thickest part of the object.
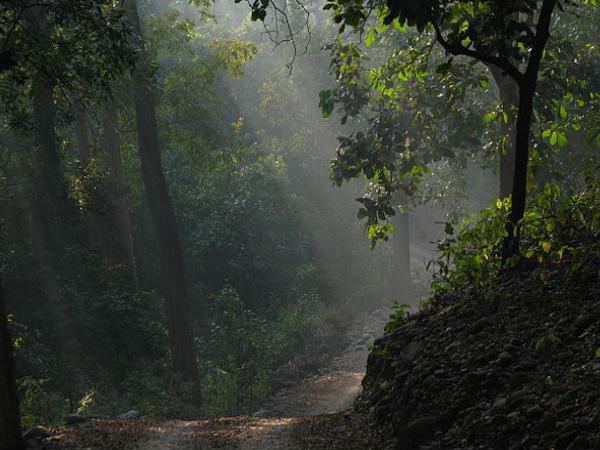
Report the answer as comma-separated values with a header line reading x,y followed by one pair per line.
x,y
202,211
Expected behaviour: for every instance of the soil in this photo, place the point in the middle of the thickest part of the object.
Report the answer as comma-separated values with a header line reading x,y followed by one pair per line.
x,y
303,416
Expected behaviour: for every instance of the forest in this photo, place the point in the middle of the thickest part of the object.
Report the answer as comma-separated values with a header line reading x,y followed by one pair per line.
x,y
355,224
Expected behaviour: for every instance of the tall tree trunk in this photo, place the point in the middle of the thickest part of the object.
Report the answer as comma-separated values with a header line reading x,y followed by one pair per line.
x,y
401,279
509,98
527,86
111,222
10,426
121,239
177,306
48,202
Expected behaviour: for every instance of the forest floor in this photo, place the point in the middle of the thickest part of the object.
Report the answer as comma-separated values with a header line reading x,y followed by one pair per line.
x,y
314,414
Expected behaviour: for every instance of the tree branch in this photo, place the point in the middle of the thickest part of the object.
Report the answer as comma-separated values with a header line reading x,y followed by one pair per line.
x,y
542,33
458,49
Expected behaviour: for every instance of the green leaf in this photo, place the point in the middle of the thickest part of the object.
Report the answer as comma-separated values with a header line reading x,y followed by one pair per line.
x,y
545,246
489,118
401,27
562,111
562,139
370,38
553,138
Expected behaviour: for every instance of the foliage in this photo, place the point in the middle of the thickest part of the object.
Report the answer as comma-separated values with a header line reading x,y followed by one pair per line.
x,y
242,351
80,45
398,318
556,229
40,403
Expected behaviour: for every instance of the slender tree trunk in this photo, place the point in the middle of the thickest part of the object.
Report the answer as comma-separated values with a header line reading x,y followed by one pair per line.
x,y
519,189
401,279
509,97
10,426
527,86
177,306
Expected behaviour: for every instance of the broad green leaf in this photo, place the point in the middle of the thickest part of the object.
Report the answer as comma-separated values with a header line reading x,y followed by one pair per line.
x,y
546,246
562,139
489,118
562,111
370,38
401,27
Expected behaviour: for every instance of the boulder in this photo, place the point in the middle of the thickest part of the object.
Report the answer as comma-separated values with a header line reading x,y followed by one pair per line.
x,y
132,414
36,434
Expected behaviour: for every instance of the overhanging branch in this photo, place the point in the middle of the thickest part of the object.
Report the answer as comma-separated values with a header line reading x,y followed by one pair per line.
x,y
459,49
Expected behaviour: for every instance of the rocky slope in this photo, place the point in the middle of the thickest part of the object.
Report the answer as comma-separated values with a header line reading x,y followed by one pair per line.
x,y
514,369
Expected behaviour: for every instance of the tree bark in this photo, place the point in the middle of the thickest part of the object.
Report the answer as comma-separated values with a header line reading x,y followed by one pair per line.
x,y
177,306
110,221
509,98
527,86
10,425
121,248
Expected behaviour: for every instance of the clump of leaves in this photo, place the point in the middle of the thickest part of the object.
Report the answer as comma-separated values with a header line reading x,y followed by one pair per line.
x,y
555,229
398,317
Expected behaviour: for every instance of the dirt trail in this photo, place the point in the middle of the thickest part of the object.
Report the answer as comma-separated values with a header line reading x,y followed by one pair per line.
x,y
270,428
294,418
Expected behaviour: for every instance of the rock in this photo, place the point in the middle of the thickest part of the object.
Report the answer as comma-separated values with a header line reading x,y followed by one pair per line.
x,y
132,414
518,379
72,419
505,358
452,347
535,411
36,433
519,397
499,406
482,323
565,439
585,320
411,351
579,443
421,425
511,348
524,366
430,382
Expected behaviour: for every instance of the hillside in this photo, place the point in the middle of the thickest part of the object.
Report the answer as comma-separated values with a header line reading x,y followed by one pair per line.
x,y
516,368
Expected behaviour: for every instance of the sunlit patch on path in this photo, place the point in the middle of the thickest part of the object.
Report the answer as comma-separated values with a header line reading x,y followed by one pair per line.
x,y
277,426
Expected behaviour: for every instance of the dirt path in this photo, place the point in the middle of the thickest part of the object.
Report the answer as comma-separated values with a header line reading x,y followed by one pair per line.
x,y
334,389
291,416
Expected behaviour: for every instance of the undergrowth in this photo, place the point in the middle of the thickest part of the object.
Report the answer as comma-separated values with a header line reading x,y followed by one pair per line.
x,y
558,232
